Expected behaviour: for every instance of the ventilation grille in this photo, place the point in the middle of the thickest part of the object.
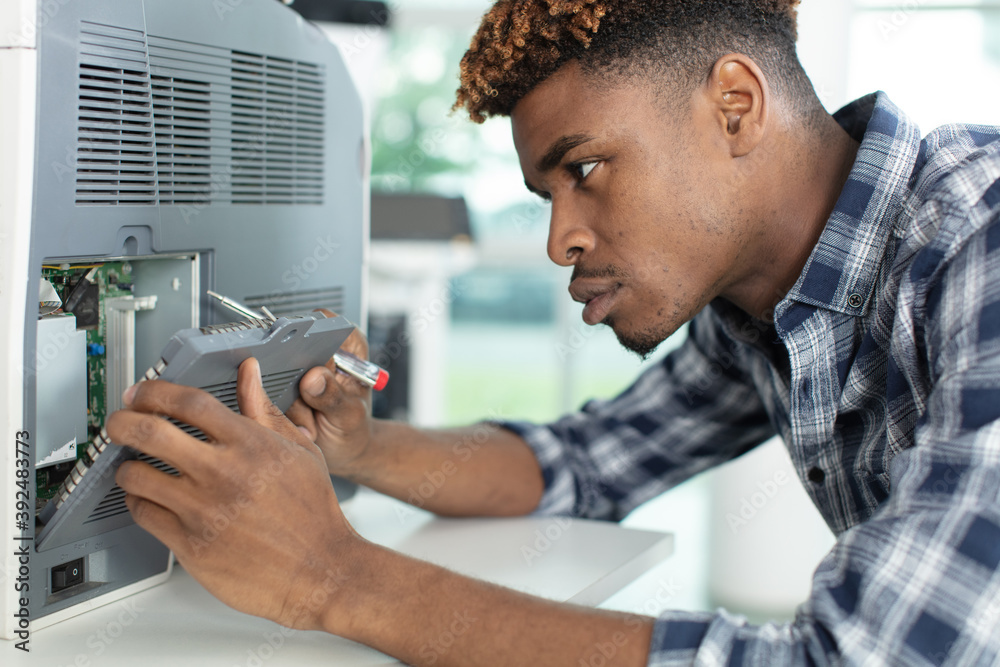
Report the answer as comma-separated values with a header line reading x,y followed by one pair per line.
x,y
113,504
162,121
183,144
275,384
115,160
277,135
303,301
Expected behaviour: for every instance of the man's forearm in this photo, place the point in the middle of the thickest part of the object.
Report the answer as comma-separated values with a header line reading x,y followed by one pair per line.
x,y
426,615
478,470
307,568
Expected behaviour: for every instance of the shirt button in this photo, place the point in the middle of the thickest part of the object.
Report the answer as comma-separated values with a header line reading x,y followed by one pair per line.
x,y
855,300
816,475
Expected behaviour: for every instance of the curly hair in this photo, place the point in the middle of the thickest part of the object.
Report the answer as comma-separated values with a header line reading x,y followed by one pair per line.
x,y
520,43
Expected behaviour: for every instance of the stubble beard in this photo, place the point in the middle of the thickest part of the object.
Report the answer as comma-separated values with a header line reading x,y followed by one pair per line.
x,y
643,343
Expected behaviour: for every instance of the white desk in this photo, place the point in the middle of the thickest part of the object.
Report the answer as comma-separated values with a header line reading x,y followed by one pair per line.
x,y
180,623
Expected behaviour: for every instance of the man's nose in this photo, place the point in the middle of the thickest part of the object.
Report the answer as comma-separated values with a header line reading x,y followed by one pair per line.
x,y
569,235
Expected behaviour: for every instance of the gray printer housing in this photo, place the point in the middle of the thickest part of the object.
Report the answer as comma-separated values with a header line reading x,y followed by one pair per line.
x,y
225,131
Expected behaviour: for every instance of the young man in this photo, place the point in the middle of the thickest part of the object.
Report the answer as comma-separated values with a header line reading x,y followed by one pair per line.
x,y
842,278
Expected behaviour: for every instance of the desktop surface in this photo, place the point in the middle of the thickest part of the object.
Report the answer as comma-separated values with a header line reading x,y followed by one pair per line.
x,y
572,560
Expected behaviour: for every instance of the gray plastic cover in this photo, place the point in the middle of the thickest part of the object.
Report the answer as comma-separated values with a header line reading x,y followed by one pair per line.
x,y
91,503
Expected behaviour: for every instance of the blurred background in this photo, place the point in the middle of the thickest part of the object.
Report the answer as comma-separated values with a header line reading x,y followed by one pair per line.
x,y
475,322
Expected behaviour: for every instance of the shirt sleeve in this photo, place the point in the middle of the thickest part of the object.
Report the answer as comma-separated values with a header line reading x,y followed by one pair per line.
x,y
919,582
695,409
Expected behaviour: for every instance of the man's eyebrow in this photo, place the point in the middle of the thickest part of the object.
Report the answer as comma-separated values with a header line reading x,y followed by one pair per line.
x,y
558,149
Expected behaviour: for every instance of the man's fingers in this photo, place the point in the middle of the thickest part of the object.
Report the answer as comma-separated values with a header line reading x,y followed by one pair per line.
x,y
165,526
155,436
187,404
255,403
302,416
356,343
159,521
322,390
141,480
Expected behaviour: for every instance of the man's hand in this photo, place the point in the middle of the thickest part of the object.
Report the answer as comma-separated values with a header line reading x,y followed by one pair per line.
x,y
252,516
335,410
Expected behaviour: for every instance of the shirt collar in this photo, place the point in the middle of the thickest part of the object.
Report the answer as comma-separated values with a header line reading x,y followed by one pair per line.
x,y
841,273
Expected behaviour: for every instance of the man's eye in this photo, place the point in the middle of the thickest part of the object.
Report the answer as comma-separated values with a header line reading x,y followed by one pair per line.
x,y
583,169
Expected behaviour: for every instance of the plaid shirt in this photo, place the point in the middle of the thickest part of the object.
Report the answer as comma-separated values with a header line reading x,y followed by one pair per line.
x,y
881,373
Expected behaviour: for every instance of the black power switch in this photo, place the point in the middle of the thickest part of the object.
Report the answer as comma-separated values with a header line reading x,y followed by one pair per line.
x,y
67,575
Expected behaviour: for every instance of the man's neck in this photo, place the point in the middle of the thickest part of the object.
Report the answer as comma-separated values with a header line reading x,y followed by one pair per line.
x,y
806,184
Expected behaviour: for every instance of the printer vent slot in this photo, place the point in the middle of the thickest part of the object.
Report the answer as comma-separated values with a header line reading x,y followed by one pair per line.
x,y
300,301
170,122
114,152
277,136
113,504
190,112
275,384
182,121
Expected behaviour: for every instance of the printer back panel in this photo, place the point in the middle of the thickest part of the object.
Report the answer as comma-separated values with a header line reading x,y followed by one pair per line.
x,y
181,145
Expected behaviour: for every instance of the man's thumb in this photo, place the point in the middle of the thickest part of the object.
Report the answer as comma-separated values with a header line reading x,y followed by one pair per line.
x,y
320,389
255,403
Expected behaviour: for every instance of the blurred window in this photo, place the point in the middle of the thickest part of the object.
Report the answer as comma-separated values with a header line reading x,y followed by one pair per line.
x,y
517,347
938,60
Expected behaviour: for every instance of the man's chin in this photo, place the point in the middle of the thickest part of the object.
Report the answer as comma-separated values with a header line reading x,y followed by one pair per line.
x,y
642,343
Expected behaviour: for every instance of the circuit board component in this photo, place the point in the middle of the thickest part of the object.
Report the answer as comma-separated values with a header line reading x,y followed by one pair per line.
x,y
101,298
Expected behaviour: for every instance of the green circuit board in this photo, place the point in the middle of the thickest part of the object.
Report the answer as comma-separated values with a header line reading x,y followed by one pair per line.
x,y
111,279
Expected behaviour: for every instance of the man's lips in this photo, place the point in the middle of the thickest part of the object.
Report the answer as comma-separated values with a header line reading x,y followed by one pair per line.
x,y
599,295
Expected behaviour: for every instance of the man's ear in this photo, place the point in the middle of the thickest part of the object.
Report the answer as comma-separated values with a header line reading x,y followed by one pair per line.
x,y
739,94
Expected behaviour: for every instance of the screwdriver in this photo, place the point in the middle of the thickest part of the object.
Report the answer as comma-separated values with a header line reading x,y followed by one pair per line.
x,y
369,374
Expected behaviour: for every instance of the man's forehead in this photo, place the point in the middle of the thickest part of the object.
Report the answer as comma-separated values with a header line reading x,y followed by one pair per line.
x,y
563,104
572,104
